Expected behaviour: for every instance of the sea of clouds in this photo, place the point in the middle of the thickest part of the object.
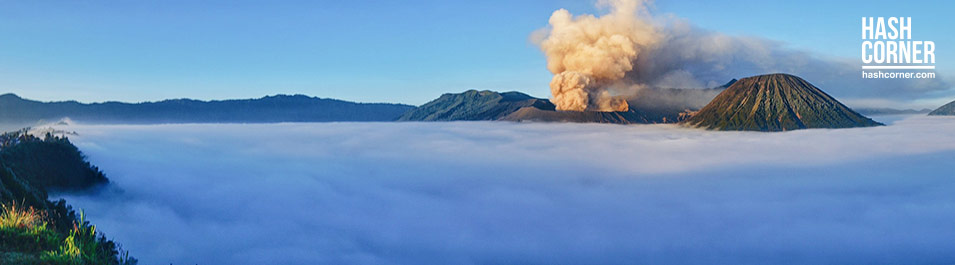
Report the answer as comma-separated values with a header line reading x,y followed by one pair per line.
x,y
515,193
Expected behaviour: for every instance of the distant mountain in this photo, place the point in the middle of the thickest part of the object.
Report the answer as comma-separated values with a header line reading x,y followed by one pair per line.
x,y
647,106
776,102
473,105
947,109
889,111
279,108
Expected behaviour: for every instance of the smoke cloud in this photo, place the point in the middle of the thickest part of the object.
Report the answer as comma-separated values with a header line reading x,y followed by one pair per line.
x,y
596,60
517,193
587,54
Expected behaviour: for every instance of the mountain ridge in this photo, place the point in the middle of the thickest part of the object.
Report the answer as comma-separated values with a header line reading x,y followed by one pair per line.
x,y
273,108
944,110
474,105
649,105
890,111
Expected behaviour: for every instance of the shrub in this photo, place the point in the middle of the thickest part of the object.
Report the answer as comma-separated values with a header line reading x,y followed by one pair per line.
x,y
25,229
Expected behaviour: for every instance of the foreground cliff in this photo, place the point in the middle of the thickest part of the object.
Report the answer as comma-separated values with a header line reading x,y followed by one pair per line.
x,y
35,230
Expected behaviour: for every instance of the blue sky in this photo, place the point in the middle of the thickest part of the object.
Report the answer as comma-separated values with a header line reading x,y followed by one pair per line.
x,y
371,51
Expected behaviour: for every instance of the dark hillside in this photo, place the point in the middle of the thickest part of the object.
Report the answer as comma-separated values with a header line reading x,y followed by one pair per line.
x,y
34,230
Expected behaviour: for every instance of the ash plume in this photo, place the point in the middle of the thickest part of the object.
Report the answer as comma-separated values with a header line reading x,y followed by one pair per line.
x,y
600,62
588,54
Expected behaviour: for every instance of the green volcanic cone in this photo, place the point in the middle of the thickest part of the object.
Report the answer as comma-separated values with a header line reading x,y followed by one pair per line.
x,y
776,102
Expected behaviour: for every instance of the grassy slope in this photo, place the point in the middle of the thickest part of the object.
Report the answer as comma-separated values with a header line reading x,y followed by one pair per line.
x,y
34,230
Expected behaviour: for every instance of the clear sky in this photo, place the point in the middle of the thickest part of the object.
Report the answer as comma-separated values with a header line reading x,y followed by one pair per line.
x,y
361,50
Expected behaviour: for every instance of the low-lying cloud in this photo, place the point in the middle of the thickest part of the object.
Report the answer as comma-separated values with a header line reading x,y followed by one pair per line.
x,y
485,192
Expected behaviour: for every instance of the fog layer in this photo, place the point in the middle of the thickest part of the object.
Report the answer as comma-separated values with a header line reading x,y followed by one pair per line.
x,y
494,192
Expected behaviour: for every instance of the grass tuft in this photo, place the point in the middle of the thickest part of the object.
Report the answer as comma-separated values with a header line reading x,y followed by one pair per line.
x,y
17,217
27,230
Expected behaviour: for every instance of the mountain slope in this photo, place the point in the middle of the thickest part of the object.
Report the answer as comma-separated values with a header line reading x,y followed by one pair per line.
x,y
35,230
474,105
947,109
538,115
776,102
280,108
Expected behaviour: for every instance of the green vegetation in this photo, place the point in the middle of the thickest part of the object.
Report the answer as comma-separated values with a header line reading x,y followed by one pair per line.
x,y
26,237
26,230
34,230
53,163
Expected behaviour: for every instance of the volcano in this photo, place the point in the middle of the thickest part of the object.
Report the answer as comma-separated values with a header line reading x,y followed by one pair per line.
x,y
531,114
775,102
947,109
473,105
